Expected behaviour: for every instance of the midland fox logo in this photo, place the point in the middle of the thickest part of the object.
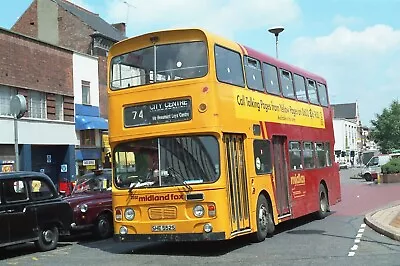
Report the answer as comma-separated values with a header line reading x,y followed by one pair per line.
x,y
158,197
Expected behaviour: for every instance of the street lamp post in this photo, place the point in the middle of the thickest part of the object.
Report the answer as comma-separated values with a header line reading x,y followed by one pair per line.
x,y
128,5
276,31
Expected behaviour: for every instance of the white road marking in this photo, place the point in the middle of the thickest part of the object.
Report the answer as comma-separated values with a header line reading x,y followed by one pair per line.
x,y
357,240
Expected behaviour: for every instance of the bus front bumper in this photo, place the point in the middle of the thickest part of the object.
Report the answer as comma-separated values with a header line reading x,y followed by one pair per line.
x,y
170,237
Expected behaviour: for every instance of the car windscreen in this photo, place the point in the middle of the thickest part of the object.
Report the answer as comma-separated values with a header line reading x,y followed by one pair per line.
x,y
92,182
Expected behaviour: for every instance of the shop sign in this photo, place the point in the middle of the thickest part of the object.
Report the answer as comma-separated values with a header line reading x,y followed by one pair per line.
x,y
89,162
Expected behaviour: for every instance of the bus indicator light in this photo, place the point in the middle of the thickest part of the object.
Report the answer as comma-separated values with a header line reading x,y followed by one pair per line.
x,y
205,89
118,214
211,210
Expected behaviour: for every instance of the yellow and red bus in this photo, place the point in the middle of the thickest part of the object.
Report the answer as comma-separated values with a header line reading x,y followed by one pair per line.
x,y
212,140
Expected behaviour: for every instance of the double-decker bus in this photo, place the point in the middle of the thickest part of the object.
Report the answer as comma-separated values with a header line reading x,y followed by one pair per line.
x,y
212,140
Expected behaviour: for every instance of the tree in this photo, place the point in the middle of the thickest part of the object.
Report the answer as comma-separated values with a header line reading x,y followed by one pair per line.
x,y
386,128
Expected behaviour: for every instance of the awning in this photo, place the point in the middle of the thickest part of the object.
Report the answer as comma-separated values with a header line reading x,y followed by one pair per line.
x,y
83,122
87,154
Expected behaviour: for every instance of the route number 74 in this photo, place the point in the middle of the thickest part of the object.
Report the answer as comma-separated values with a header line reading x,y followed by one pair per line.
x,y
137,114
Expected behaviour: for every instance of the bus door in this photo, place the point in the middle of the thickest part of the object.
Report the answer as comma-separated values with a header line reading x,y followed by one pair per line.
x,y
237,183
281,175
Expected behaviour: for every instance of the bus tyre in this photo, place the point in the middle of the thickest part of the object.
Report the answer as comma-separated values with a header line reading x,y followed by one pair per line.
x,y
265,223
48,238
323,202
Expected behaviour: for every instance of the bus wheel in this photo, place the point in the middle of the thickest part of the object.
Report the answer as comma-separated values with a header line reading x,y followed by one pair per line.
x,y
368,177
323,202
265,224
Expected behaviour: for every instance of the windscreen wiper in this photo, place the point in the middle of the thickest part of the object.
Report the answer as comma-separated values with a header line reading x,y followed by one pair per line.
x,y
180,178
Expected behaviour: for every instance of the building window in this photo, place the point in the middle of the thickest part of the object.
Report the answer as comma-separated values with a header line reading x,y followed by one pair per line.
x,y
295,155
87,138
59,107
85,92
5,98
37,104
262,156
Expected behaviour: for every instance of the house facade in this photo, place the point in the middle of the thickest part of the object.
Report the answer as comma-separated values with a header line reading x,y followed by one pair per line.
x,y
348,132
42,73
89,125
346,149
65,24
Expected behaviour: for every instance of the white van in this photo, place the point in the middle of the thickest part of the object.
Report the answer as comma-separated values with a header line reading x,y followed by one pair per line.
x,y
373,167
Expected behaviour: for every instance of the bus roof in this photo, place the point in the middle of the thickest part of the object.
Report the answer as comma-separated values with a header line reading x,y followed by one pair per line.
x,y
280,64
246,50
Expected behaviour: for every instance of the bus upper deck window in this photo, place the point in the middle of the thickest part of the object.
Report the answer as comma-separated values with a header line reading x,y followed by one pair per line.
x,y
312,91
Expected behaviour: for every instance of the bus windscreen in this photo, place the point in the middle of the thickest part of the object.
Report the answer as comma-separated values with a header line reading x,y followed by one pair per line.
x,y
170,62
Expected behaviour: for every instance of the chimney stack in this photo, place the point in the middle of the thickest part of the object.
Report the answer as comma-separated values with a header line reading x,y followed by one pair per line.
x,y
121,27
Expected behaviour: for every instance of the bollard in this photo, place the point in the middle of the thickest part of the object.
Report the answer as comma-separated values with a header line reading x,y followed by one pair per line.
x,y
379,178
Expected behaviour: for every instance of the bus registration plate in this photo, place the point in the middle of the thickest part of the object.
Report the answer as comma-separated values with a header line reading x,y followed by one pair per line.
x,y
162,228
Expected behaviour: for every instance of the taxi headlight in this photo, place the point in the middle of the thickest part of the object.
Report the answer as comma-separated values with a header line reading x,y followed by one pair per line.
x,y
83,208
198,211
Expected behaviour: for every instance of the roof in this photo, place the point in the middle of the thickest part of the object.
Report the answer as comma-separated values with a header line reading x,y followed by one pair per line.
x,y
92,20
10,175
345,110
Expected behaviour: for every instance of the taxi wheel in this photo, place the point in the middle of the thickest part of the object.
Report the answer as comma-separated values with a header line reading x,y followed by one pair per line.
x,y
48,238
104,226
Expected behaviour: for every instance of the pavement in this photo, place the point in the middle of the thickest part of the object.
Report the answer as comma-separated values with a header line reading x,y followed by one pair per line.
x,y
386,221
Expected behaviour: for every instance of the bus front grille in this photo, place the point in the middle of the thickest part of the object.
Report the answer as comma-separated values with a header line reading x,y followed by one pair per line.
x,y
162,213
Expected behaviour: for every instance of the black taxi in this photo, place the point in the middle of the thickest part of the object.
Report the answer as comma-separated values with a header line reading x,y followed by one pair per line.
x,y
32,210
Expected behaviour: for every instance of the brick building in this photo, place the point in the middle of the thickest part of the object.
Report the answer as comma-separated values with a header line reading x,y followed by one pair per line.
x,y
42,73
64,24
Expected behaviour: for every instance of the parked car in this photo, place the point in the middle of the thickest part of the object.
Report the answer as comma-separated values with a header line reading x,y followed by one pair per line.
x,y
371,170
344,165
91,203
32,210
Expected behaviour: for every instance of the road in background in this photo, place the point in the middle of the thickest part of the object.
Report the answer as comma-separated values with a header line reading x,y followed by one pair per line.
x,y
340,238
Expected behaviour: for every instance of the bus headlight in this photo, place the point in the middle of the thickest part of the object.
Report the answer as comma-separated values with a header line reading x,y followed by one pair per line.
x,y
123,230
207,228
83,208
129,214
198,211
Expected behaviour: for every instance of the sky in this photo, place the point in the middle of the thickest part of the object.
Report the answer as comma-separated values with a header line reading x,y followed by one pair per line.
x,y
353,44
